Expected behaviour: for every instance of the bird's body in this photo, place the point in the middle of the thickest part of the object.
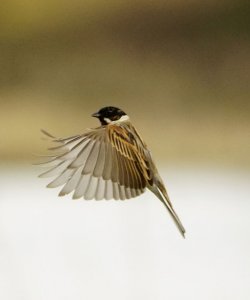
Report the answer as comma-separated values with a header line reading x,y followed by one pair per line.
x,y
110,161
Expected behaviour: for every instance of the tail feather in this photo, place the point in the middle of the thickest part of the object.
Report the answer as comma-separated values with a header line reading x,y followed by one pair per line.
x,y
161,193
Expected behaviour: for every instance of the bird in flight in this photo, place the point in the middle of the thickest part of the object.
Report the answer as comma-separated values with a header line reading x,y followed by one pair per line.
x,y
108,162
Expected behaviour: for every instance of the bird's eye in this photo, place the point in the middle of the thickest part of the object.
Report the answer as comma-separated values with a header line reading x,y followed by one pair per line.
x,y
115,118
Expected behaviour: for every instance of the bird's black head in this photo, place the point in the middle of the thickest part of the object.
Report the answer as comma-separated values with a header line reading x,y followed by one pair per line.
x,y
109,114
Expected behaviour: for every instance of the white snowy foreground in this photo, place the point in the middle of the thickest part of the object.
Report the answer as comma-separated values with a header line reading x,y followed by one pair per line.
x,y
55,248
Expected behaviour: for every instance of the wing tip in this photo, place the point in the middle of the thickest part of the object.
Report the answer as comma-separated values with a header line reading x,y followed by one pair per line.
x,y
61,194
47,133
76,197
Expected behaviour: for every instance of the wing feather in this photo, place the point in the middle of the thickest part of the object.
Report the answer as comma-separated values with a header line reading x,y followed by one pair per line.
x,y
116,191
99,167
120,167
128,193
92,158
100,190
126,174
81,186
71,183
83,154
122,192
108,190
100,164
69,144
61,179
115,172
58,169
108,162
91,189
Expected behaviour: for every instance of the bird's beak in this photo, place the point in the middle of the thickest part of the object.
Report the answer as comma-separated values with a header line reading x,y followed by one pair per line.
x,y
96,115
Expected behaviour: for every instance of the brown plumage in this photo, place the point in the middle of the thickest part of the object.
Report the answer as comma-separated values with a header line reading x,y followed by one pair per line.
x,y
110,161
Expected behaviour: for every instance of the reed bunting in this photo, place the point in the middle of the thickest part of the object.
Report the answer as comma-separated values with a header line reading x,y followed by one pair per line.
x,y
110,161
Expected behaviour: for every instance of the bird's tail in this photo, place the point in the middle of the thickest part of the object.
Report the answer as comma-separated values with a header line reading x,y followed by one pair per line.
x,y
161,193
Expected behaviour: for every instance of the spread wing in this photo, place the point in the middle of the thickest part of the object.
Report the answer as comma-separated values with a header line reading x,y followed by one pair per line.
x,y
103,163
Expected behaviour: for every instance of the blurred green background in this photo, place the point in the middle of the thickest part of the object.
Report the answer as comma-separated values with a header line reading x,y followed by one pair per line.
x,y
180,69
